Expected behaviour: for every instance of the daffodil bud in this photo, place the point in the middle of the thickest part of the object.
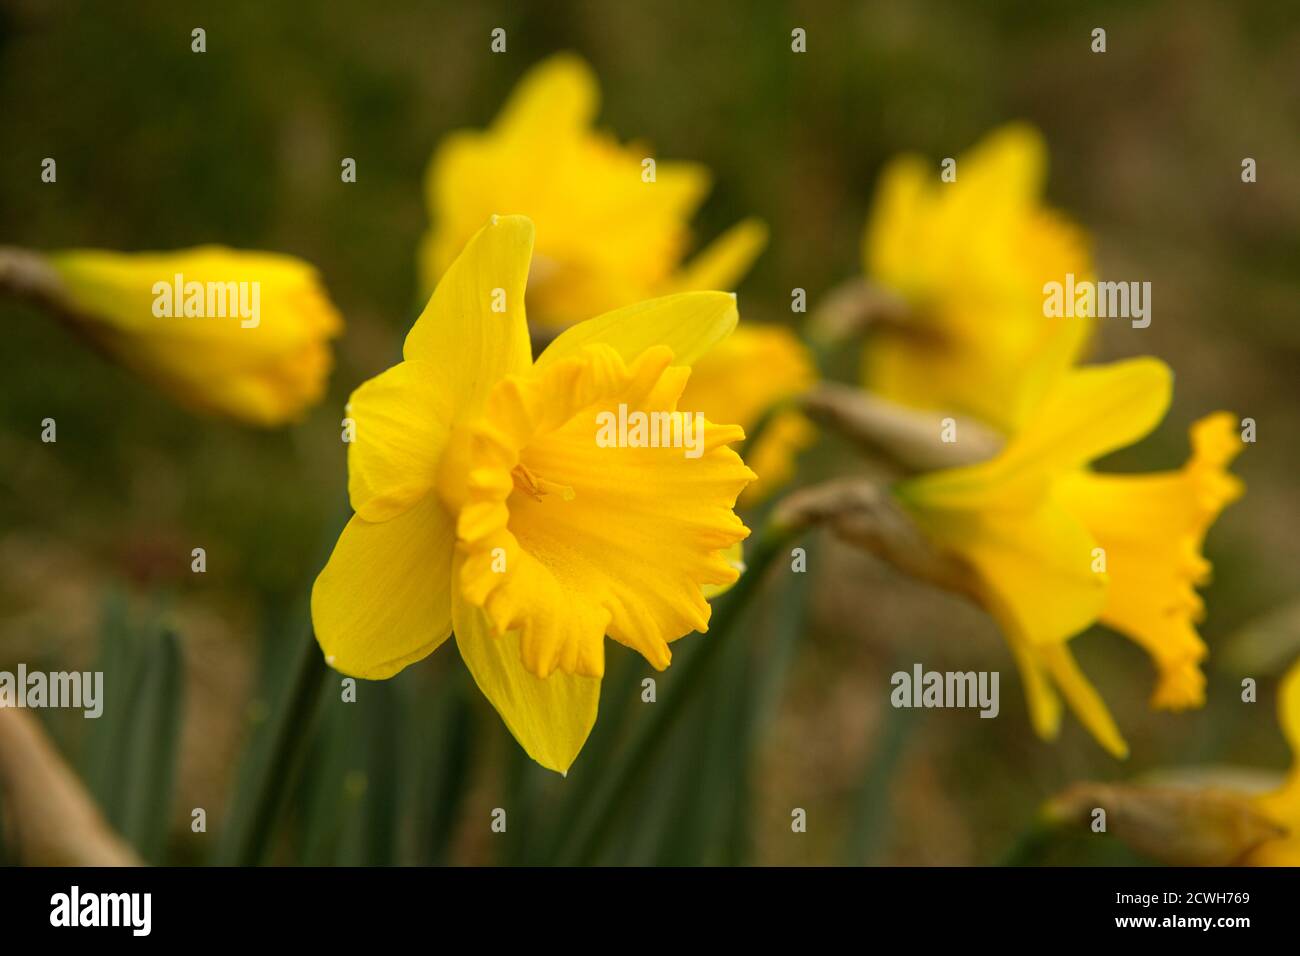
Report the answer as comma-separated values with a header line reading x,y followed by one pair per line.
x,y
240,334
1179,826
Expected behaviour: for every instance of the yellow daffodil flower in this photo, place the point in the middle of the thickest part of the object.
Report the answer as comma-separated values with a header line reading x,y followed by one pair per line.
x,y
488,503
1203,816
1172,819
970,258
543,158
241,334
1056,547
606,238
1282,806
756,367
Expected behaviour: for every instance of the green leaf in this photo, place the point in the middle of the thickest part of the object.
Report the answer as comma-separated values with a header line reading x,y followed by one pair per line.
x,y
871,806
153,730
130,754
275,762
443,750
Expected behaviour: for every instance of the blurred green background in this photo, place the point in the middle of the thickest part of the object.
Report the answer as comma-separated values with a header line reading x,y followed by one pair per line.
x,y
160,148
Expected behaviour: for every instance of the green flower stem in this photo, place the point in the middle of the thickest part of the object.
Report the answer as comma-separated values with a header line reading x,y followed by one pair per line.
x,y
871,811
1030,846
253,821
619,783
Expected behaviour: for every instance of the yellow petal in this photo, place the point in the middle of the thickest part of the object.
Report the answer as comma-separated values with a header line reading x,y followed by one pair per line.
x,y
550,717
1284,809
1288,711
1283,805
1034,563
402,422
1046,362
978,241
1090,412
1152,527
971,258
609,234
264,369
689,323
557,97
897,224
473,327
384,598
725,261
1083,698
681,186
747,373
1013,520
569,536
1041,698
996,381
1049,668
735,556
1007,168
773,456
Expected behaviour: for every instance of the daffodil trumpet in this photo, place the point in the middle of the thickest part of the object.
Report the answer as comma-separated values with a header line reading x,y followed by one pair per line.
x,y
755,378
487,506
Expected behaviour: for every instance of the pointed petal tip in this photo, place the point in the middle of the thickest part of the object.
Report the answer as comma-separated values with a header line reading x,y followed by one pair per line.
x,y
513,222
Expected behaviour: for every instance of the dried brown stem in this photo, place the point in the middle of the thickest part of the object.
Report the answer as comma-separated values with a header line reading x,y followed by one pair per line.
x,y
50,818
29,276
907,436
851,309
864,515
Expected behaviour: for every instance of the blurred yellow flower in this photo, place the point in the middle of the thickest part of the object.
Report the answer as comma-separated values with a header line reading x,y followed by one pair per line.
x,y
1282,806
606,237
241,334
1173,820
1203,816
1056,547
756,367
970,258
488,502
